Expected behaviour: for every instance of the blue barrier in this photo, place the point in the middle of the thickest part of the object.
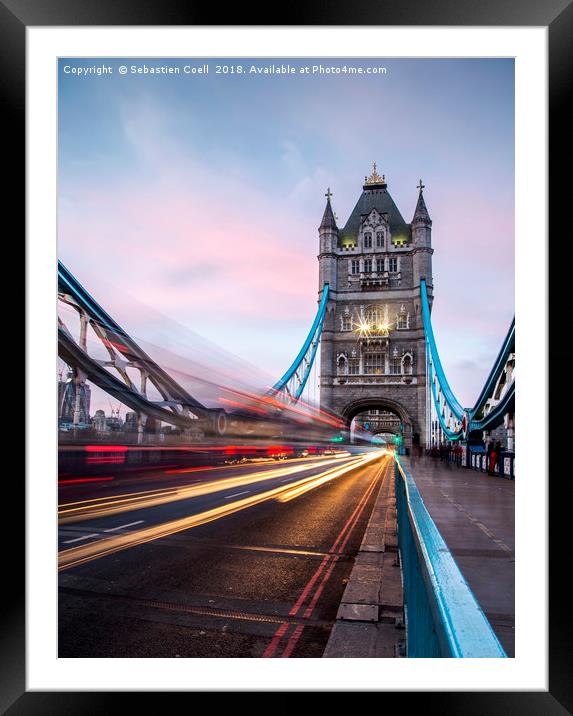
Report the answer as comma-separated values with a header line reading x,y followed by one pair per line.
x,y
443,617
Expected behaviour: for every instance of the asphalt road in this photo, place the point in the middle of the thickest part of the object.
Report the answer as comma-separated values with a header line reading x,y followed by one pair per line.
x,y
242,561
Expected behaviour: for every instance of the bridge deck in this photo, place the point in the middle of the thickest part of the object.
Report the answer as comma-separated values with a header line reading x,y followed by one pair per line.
x,y
475,514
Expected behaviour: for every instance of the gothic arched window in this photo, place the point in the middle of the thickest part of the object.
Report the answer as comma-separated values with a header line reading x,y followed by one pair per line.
x,y
341,365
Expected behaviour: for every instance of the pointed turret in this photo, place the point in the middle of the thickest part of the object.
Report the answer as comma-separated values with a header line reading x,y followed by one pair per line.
x,y
328,222
328,233
421,214
422,240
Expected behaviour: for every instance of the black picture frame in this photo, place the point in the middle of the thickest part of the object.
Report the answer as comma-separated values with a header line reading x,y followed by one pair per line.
x,y
557,15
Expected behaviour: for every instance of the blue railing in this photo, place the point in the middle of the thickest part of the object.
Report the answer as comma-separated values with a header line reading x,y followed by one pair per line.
x,y
443,617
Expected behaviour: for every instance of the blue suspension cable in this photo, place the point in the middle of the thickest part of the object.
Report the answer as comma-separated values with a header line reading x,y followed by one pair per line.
x,y
451,399
310,344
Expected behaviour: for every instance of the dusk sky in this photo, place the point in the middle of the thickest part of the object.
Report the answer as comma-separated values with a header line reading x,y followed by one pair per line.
x,y
200,196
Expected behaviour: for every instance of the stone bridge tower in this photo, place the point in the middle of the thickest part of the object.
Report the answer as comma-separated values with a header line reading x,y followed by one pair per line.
x,y
372,354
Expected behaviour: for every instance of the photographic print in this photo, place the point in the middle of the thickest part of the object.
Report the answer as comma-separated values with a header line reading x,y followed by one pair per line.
x,y
286,357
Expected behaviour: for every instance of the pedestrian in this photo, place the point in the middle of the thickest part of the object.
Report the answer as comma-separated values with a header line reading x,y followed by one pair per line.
x,y
497,455
492,458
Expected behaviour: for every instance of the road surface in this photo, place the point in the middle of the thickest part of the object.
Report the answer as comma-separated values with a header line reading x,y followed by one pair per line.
x,y
238,561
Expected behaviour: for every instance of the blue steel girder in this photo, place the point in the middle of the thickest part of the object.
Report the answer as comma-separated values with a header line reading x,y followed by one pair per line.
x,y
290,387
177,406
496,399
496,414
499,384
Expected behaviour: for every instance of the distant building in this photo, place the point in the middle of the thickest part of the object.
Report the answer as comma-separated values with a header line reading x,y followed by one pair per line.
x,y
67,391
114,422
379,421
130,425
99,423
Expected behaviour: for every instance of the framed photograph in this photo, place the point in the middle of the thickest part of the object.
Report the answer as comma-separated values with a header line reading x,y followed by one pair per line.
x,y
271,404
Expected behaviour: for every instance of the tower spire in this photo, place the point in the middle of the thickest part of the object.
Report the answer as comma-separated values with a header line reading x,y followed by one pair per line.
x,y
421,213
328,220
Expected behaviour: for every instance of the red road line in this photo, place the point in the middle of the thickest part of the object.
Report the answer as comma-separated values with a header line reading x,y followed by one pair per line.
x,y
316,575
351,518
270,650
292,642
350,524
293,612
361,506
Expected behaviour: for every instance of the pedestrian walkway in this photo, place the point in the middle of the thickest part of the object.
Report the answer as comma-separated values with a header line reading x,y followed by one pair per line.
x,y
475,515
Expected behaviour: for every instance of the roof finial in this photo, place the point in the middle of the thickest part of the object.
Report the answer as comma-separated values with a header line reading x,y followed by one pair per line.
x,y
374,178
328,194
420,186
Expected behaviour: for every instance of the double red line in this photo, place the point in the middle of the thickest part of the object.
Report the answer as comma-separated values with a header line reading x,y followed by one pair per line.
x,y
317,584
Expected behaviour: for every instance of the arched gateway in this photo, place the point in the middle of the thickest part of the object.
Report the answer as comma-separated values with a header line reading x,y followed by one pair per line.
x,y
372,357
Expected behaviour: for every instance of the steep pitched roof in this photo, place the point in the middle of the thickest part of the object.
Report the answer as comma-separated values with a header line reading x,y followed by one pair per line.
x,y
421,212
376,198
328,220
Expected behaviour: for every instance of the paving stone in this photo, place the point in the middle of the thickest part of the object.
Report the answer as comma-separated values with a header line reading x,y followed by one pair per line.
x,y
361,640
358,612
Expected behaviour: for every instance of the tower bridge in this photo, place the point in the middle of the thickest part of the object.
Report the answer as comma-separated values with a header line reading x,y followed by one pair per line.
x,y
372,333
380,373
373,348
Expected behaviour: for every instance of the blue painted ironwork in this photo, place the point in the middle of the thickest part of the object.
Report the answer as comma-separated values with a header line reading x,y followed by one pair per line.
x,y
450,434
495,416
507,348
474,418
291,385
451,399
443,617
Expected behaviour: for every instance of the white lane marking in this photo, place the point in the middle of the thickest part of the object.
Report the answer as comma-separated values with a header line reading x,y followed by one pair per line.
x,y
289,479
129,524
78,539
237,494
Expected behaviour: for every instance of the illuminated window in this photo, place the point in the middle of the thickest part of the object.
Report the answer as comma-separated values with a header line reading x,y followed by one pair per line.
x,y
374,363
375,315
346,323
368,240
403,320
393,265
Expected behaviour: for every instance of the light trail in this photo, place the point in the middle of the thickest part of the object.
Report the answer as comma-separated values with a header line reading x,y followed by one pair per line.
x,y
98,507
76,556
